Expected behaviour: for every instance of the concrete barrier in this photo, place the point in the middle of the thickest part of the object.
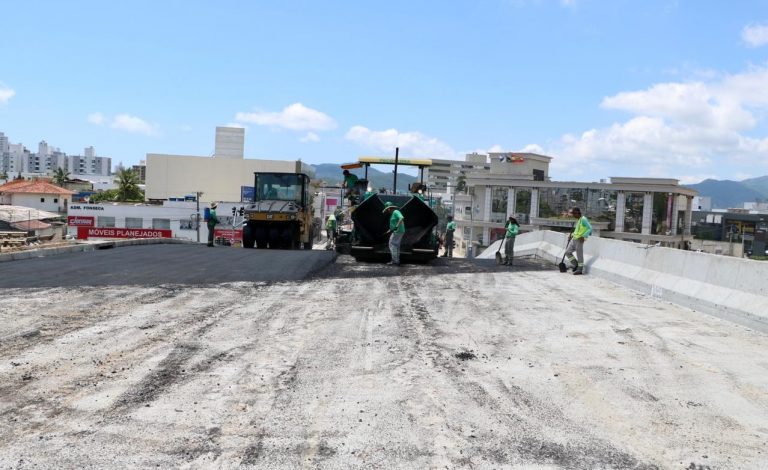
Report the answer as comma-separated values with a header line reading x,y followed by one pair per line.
x,y
734,289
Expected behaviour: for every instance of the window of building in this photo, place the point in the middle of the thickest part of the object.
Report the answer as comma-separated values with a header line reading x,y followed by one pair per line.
x,y
499,204
55,200
161,224
42,199
103,221
134,222
633,217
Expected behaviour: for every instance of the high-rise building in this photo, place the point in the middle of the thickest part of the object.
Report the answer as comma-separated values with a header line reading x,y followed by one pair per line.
x,y
4,144
230,142
90,152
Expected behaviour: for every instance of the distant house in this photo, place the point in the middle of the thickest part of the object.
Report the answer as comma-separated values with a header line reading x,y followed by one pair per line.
x,y
37,194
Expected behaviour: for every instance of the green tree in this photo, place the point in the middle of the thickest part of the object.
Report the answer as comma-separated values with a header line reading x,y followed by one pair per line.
x,y
3,175
461,184
60,176
109,195
128,186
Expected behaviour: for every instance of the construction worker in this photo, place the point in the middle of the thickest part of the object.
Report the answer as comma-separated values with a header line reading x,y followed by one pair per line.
x,y
576,239
450,227
349,181
513,228
212,222
396,231
330,230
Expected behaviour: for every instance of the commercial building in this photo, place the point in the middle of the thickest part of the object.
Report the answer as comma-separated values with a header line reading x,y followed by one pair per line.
x,y
216,178
171,219
645,210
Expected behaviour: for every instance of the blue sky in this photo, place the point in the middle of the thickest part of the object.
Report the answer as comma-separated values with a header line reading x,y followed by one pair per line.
x,y
667,88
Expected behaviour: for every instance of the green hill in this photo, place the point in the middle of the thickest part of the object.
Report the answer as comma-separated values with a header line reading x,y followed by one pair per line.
x,y
730,194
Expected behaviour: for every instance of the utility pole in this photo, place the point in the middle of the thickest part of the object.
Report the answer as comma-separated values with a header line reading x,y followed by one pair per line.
x,y
197,214
397,155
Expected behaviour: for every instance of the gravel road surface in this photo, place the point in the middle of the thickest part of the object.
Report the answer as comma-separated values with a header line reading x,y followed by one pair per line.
x,y
447,365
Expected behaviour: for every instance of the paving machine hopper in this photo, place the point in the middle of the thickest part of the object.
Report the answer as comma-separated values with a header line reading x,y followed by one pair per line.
x,y
370,240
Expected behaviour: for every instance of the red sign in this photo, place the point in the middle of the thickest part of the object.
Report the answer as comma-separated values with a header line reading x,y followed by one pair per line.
x,y
84,233
497,234
80,221
331,201
229,234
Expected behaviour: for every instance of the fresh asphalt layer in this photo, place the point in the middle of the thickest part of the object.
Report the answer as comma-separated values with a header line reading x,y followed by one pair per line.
x,y
163,264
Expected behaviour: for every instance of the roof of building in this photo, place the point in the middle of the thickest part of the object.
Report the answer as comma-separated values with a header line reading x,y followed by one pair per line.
x,y
33,187
14,214
30,225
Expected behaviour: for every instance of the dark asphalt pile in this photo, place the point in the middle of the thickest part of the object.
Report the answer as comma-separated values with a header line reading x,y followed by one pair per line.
x,y
346,267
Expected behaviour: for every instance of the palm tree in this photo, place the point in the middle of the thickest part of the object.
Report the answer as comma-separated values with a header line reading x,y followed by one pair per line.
x,y
128,186
60,176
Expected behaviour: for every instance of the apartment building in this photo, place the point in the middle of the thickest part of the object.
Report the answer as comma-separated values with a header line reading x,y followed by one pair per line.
x,y
16,160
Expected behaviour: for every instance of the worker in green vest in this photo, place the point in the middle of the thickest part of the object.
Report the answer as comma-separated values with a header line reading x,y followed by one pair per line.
x,y
450,228
396,231
330,230
513,229
212,222
581,231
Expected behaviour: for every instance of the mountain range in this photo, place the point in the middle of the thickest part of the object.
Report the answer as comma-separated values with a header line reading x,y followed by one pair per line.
x,y
733,194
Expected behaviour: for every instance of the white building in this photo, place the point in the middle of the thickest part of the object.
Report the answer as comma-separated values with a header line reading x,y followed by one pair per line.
x,y
646,210
230,142
36,194
219,179
443,175
172,219
89,164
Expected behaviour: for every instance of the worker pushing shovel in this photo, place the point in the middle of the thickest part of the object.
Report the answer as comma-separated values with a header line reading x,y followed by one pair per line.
x,y
576,239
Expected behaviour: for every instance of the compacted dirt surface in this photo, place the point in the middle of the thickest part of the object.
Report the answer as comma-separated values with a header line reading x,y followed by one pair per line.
x,y
451,364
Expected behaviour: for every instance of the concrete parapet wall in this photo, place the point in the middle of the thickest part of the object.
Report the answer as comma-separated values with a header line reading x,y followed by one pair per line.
x,y
734,289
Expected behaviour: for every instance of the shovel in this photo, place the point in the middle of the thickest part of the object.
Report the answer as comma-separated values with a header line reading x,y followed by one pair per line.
x,y
562,267
499,257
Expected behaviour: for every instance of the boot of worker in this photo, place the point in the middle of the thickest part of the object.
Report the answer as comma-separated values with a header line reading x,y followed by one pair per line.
x,y
574,263
579,270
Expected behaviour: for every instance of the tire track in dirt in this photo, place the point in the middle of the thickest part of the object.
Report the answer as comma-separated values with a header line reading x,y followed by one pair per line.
x,y
530,445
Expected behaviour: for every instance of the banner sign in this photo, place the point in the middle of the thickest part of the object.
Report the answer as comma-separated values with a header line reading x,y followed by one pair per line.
x,y
83,233
229,234
331,201
247,193
81,221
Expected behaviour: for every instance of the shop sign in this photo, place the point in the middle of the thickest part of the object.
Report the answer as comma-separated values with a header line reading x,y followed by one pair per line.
x,y
228,234
81,221
84,233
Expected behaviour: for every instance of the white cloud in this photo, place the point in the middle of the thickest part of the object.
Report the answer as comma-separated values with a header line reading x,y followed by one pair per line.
x,y
296,117
532,148
755,35
411,143
6,93
709,127
96,118
310,137
123,122
236,125
132,124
